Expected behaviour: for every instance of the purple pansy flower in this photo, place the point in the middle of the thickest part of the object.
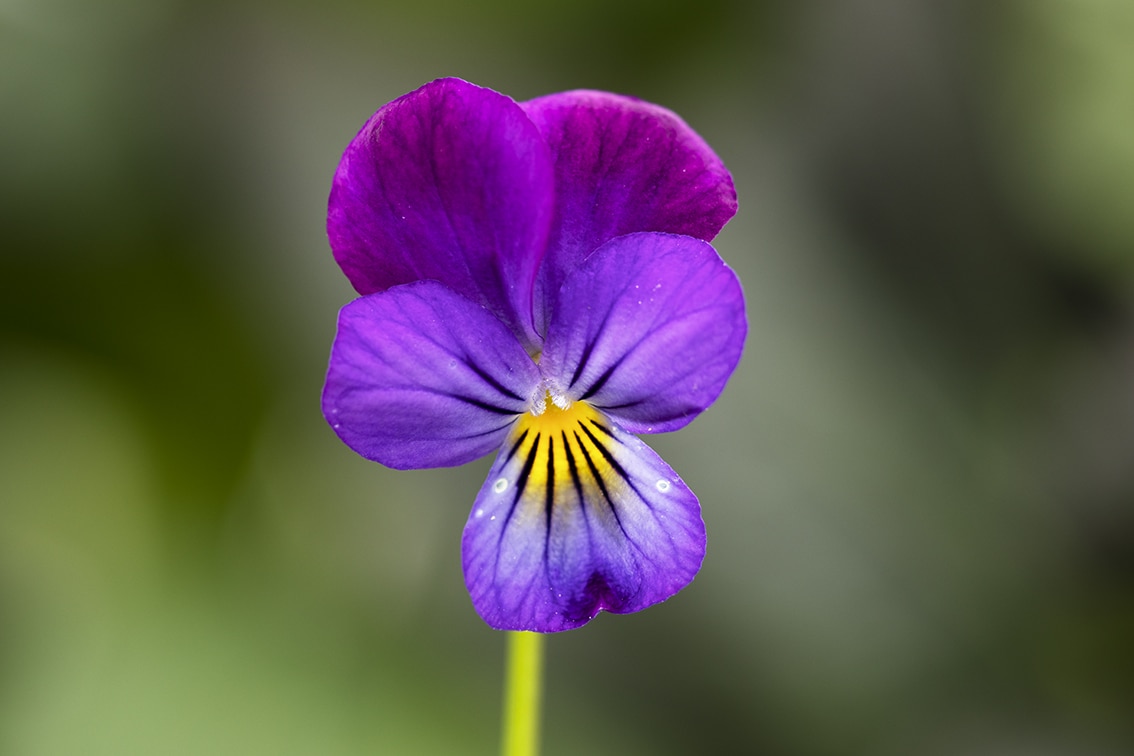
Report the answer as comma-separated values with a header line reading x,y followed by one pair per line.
x,y
536,279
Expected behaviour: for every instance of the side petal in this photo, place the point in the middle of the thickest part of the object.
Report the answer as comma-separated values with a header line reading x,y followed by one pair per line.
x,y
577,517
648,329
621,166
451,182
422,377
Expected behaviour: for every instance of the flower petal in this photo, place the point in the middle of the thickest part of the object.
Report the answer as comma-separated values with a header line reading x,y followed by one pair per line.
x,y
577,517
623,165
422,377
648,330
451,182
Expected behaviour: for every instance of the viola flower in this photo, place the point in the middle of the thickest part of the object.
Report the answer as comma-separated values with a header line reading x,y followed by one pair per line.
x,y
536,279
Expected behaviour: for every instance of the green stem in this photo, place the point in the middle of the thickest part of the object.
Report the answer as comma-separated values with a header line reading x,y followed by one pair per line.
x,y
522,693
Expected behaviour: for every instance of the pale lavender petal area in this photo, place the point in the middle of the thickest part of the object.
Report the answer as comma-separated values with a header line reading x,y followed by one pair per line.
x,y
621,166
648,329
614,530
419,376
453,183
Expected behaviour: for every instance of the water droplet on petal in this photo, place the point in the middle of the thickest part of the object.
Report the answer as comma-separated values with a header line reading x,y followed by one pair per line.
x,y
500,486
662,485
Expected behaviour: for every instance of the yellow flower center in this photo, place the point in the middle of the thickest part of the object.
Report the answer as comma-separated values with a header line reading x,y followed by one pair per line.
x,y
563,448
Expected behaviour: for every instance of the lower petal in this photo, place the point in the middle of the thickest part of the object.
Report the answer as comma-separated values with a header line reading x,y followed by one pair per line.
x,y
578,517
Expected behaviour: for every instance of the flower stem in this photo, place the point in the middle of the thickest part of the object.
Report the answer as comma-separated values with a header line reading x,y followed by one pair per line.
x,y
522,694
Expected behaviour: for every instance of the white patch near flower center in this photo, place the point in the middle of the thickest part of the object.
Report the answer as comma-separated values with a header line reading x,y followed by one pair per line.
x,y
547,392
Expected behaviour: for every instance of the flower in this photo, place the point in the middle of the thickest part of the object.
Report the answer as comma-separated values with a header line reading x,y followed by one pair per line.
x,y
536,279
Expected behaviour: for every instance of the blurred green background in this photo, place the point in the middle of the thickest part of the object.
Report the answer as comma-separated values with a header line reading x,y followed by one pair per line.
x,y
919,485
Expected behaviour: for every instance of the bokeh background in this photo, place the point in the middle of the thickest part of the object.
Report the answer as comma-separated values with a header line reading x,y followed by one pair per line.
x,y
919,485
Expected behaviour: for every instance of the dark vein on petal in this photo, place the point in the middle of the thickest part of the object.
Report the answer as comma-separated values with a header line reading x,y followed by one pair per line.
x,y
584,360
613,462
671,324
597,385
604,429
598,479
606,494
484,405
610,501
482,433
624,405
549,494
577,481
622,472
660,313
515,448
599,331
573,467
484,376
521,484
618,468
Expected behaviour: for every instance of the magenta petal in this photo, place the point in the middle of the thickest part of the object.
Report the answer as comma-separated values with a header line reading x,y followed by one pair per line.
x,y
621,166
648,330
422,377
576,521
453,183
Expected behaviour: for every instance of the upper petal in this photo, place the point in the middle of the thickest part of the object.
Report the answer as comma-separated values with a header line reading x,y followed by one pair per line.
x,y
648,329
623,165
422,377
577,517
453,183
